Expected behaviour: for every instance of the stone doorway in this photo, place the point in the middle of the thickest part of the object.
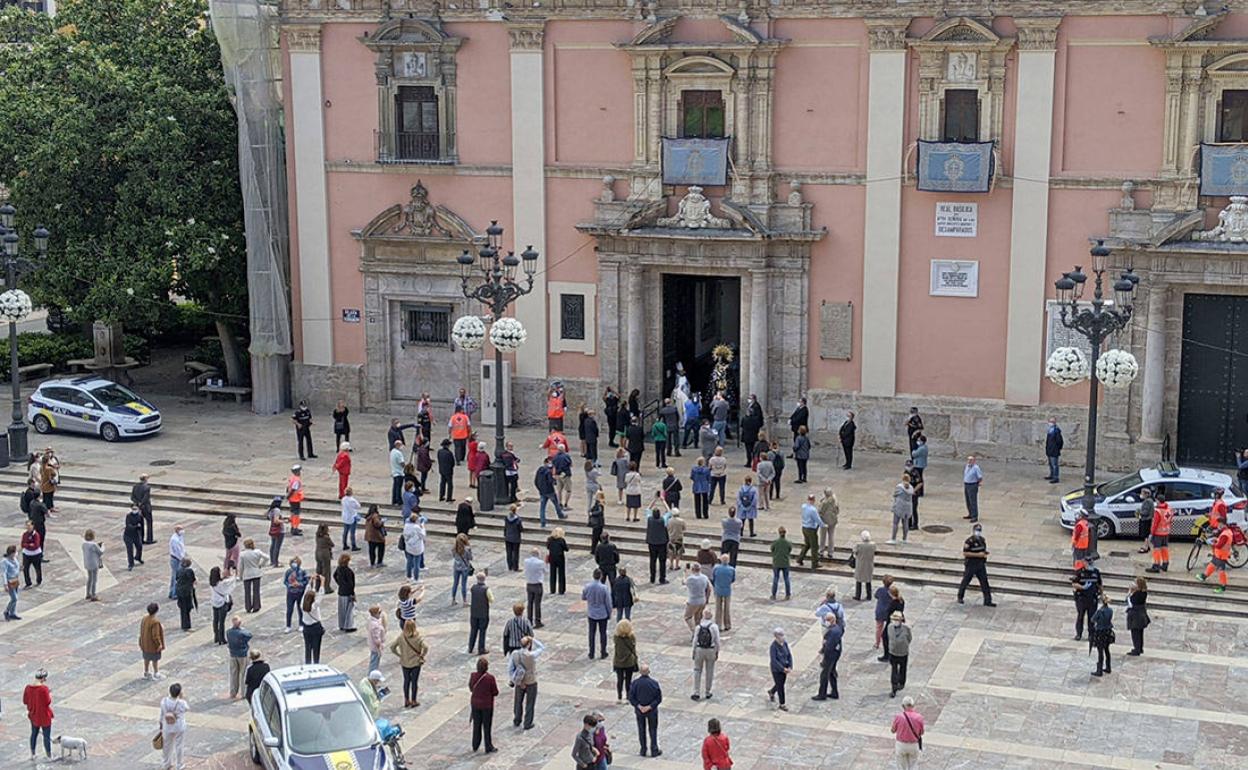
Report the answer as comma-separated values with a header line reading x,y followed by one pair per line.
x,y
699,313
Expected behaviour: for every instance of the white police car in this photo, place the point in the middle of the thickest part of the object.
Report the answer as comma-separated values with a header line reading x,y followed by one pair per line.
x,y
1188,491
91,405
312,718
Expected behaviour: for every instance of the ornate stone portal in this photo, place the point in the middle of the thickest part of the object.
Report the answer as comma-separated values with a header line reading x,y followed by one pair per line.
x,y
694,213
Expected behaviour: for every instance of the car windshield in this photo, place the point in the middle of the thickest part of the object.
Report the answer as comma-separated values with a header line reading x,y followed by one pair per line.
x,y
329,727
113,394
1118,486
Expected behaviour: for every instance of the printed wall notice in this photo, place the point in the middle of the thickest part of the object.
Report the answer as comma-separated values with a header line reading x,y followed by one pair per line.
x,y
954,278
957,220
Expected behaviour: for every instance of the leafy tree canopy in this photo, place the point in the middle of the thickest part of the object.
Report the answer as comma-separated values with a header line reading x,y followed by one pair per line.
x,y
120,137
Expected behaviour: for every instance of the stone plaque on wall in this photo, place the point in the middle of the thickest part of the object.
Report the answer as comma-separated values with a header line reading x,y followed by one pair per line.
x,y
836,330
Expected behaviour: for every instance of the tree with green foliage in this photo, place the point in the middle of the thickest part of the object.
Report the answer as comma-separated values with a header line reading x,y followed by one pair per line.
x,y
120,137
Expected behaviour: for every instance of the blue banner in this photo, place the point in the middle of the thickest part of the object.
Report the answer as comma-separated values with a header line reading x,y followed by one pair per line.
x,y
695,161
959,167
1224,169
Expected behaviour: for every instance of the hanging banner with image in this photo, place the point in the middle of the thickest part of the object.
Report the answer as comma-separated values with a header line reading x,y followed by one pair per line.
x,y
959,167
701,162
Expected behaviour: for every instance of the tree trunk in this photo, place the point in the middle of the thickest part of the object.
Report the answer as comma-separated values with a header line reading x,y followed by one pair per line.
x,y
234,373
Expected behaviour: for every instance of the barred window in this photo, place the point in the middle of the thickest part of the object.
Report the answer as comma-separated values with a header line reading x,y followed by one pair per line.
x,y
427,325
572,316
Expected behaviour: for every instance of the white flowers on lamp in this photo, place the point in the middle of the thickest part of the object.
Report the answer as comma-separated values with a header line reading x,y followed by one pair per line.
x,y
1116,368
1066,367
15,305
507,334
468,332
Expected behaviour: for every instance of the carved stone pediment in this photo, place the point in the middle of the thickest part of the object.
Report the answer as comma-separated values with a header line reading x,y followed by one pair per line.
x,y
659,34
418,219
409,33
962,29
1201,26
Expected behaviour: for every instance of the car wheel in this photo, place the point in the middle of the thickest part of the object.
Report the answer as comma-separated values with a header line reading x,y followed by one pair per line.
x,y
1104,529
255,751
109,432
42,424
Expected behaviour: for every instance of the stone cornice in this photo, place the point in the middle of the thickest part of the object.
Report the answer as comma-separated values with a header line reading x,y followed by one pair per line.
x,y
1038,33
494,10
527,36
304,38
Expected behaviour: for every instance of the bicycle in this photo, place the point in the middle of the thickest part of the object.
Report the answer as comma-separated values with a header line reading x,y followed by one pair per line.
x,y
1204,536
390,733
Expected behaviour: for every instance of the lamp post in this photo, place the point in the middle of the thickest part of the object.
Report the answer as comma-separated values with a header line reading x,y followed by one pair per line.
x,y
498,289
15,445
1095,321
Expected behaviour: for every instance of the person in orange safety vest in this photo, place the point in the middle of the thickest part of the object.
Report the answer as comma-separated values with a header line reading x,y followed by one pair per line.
x,y
1217,515
294,495
1221,555
1080,539
1159,534
555,408
460,428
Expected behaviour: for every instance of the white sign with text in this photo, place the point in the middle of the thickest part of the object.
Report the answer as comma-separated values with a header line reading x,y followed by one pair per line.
x,y
957,220
955,278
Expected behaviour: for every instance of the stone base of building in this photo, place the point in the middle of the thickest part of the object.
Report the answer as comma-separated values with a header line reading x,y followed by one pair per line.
x,y
957,427
323,386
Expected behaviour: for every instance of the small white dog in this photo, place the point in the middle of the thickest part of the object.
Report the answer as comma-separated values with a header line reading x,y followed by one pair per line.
x,y
70,745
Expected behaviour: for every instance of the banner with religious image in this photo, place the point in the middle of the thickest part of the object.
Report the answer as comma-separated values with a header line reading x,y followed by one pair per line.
x,y
957,167
1224,169
695,161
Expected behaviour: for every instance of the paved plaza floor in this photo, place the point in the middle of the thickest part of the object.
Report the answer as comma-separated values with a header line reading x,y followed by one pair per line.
x,y
999,688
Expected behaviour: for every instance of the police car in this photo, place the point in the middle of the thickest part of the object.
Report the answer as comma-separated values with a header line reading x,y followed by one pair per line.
x,y
312,718
91,405
1188,491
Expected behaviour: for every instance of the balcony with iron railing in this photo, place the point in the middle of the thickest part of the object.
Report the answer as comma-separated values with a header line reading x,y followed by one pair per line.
x,y
408,147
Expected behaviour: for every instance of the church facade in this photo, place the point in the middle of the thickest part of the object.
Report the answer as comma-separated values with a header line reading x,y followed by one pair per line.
x,y
864,204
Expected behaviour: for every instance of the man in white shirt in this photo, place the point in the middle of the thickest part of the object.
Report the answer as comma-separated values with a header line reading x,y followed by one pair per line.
x,y
177,552
705,653
972,478
350,518
534,578
396,473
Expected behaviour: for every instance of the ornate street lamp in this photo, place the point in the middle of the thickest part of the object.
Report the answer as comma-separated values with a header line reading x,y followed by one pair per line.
x,y
498,289
1096,321
15,305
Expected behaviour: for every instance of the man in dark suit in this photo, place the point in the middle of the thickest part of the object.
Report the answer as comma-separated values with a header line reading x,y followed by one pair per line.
x,y
645,695
847,433
831,654
1053,444
591,435
799,418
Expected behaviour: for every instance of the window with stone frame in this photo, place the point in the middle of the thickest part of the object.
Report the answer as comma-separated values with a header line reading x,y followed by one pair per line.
x,y
1233,116
701,114
415,70
960,121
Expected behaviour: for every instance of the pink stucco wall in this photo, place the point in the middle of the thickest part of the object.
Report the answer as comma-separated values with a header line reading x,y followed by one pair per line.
x,y
836,276
821,120
350,91
483,83
589,94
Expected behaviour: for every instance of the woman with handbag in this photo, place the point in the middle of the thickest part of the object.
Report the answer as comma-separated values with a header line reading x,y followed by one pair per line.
x,y
375,534
1137,615
345,577
313,630
624,656
172,735
1102,635
908,729
482,690
412,651
222,588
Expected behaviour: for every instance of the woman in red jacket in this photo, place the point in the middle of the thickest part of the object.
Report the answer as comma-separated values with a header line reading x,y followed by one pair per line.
x,y
38,700
715,748
483,689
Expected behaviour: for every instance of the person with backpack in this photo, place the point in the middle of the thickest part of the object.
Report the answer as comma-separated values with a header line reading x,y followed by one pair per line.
x,y
705,653
747,504
907,728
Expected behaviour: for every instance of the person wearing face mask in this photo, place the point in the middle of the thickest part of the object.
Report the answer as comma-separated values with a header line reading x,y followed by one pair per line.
x,y
975,565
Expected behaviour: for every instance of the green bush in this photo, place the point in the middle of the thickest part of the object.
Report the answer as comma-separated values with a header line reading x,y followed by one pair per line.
x,y
59,349
183,323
